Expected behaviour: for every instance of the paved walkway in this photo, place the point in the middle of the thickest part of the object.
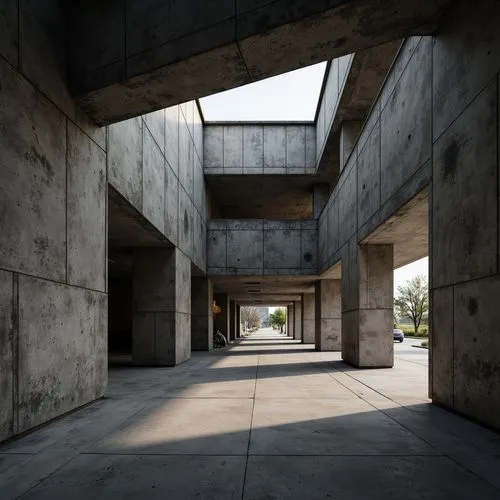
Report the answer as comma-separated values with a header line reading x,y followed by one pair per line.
x,y
267,419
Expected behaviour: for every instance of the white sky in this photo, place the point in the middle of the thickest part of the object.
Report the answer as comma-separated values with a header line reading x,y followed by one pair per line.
x,y
289,97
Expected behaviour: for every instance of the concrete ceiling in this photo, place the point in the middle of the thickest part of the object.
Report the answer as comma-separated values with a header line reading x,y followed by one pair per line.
x,y
139,58
407,230
268,289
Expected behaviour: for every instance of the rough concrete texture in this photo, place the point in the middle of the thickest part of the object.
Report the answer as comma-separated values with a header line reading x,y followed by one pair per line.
x,y
187,48
308,318
259,149
328,312
7,349
161,327
155,163
53,184
349,133
441,98
32,180
261,247
86,211
62,349
367,306
267,417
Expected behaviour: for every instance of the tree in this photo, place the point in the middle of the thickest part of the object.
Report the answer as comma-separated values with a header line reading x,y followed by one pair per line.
x,y
413,300
277,319
250,317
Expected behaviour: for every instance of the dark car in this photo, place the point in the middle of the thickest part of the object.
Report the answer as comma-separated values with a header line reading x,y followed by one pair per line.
x,y
398,335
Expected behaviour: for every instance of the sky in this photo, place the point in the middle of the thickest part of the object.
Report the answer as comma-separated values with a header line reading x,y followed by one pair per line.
x,y
289,97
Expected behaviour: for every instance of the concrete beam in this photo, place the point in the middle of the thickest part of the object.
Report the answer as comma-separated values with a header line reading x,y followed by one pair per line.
x,y
143,56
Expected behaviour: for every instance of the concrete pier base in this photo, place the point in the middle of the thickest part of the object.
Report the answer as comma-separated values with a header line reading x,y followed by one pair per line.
x,y
367,306
161,330
308,318
328,327
297,331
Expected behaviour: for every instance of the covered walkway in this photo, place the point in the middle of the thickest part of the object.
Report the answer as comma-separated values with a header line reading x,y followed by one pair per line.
x,y
266,418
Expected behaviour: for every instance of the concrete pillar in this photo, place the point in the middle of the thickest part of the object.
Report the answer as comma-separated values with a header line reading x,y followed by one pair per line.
x,y
367,305
201,314
320,197
238,321
221,321
349,133
308,318
328,315
161,327
297,330
232,320
290,320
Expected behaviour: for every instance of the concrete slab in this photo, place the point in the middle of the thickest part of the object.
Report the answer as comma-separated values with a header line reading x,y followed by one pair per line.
x,y
175,426
328,427
352,478
129,477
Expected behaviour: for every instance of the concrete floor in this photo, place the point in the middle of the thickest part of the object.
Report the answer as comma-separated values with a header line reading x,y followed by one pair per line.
x,y
267,419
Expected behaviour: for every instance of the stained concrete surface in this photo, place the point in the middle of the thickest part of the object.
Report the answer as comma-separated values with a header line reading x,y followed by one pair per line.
x,y
267,418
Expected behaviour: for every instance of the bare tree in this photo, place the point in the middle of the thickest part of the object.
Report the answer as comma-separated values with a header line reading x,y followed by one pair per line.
x,y
413,300
250,317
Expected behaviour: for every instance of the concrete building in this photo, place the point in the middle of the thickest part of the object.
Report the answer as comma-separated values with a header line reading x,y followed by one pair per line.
x,y
123,214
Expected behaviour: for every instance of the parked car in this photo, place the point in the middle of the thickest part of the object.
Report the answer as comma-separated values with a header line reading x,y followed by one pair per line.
x,y
398,335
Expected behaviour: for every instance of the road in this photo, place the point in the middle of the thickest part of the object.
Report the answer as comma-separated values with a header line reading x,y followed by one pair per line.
x,y
405,350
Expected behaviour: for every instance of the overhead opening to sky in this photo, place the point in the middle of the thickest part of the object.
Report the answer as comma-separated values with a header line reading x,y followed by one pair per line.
x,y
292,96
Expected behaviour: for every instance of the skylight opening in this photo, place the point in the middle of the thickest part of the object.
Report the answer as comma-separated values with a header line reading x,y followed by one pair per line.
x,y
292,96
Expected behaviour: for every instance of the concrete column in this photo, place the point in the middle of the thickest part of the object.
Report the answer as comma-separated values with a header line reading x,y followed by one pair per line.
x,y
238,321
367,305
290,322
320,197
349,133
308,318
201,314
161,327
221,321
297,330
232,320
328,315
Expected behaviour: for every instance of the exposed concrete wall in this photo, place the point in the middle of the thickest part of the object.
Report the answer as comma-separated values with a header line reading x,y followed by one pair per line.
x,y
328,313
155,162
262,247
335,82
435,125
54,172
136,50
201,314
308,318
257,149
53,255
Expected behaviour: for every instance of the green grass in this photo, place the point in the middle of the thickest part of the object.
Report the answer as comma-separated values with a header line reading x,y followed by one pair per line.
x,y
423,331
